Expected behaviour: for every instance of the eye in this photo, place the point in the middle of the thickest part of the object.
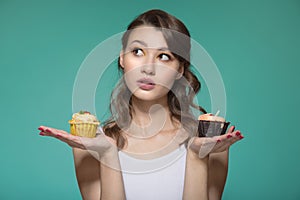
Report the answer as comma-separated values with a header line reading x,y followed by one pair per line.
x,y
138,52
165,57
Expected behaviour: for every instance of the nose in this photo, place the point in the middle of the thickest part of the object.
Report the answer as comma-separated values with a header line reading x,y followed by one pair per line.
x,y
149,66
148,69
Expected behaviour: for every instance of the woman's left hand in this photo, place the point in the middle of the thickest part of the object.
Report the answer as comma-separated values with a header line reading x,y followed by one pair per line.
x,y
205,145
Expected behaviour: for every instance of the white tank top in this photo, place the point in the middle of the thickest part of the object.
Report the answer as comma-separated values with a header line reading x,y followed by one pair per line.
x,y
156,179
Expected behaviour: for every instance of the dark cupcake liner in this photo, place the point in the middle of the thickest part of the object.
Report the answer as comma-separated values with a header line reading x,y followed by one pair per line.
x,y
211,128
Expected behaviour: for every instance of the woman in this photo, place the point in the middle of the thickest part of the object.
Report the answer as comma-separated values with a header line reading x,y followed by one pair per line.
x,y
152,121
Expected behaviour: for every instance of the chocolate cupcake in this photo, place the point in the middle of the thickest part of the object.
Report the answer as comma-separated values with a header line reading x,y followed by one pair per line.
x,y
211,125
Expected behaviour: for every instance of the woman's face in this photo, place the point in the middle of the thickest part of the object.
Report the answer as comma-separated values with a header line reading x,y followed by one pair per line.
x,y
150,69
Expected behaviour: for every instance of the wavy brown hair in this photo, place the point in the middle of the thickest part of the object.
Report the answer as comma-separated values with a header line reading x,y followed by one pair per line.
x,y
180,97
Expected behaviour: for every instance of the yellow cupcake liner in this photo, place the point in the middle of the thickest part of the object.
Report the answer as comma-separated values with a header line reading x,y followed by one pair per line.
x,y
84,129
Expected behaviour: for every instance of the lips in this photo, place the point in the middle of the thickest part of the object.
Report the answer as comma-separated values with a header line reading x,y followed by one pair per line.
x,y
146,84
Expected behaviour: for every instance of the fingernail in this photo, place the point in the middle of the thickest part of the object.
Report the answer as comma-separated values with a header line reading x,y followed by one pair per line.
x,y
47,130
218,140
241,137
41,133
40,128
238,133
229,136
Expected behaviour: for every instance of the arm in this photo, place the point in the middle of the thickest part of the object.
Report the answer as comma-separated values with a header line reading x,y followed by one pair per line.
x,y
217,174
195,184
99,178
88,174
111,176
99,175
216,148
91,174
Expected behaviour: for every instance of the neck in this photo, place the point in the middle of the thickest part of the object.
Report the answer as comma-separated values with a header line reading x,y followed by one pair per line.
x,y
143,110
150,117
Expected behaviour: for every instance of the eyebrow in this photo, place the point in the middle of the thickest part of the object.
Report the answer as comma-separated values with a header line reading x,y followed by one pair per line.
x,y
139,41
145,44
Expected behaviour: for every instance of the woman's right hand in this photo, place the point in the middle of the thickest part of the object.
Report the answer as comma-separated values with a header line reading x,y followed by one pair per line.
x,y
101,143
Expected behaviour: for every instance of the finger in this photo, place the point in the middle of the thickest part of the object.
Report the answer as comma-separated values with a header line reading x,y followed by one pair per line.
x,y
54,130
223,142
51,133
71,140
239,134
223,145
41,128
236,136
231,129
51,130
223,137
43,133
220,141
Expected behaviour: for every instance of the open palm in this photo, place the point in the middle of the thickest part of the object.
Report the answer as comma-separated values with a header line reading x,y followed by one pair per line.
x,y
100,144
205,145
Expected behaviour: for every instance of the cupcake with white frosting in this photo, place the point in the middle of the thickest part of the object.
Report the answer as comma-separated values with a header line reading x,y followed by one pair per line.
x,y
84,124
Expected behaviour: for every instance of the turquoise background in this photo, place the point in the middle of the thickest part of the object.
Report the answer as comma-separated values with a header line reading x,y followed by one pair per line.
x,y
255,45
